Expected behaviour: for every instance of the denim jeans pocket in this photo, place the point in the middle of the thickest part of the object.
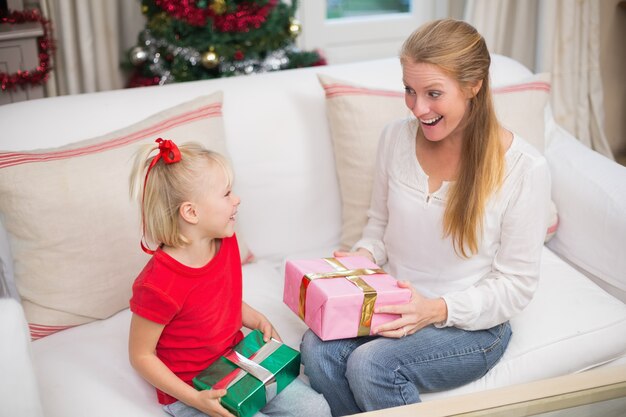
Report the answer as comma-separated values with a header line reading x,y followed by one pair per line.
x,y
501,337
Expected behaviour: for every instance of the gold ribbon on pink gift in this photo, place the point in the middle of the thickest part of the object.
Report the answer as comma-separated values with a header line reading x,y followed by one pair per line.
x,y
352,275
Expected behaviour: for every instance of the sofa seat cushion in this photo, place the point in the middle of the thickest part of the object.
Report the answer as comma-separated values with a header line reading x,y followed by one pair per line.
x,y
85,370
571,325
556,334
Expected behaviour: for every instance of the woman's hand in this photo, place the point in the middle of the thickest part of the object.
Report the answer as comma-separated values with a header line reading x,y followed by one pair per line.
x,y
418,313
208,401
358,252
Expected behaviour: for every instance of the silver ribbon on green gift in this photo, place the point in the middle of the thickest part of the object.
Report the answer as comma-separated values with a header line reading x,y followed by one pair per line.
x,y
252,366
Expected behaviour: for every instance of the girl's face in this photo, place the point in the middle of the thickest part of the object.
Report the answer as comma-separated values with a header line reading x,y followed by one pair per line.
x,y
217,205
436,100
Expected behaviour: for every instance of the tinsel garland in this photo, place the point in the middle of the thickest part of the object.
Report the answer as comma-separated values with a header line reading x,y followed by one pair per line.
x,y
247,15
275,60
46,47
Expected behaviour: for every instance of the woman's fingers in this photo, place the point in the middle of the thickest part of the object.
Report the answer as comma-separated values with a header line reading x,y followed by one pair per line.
x,y
395,333
392,328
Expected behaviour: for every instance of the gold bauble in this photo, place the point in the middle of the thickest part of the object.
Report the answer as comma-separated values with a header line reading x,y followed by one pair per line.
x,y
160,22
218,6
295,27
210,59
144,9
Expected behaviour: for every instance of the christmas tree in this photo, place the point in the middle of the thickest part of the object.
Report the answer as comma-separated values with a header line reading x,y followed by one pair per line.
x,y
188,40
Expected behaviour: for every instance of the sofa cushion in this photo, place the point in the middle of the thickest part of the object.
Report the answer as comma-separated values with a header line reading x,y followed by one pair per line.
x,y
73,229
357,116
521,106
592,193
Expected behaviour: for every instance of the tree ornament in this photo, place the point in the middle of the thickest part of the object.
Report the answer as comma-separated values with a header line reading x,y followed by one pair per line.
x,y
295,27
138,55
210,59
160,22
218,7
144,9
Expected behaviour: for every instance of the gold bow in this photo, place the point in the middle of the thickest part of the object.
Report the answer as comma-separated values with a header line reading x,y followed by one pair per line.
x,y
352,275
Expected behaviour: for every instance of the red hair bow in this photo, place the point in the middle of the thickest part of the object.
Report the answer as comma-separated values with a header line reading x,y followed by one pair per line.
x,y
168,151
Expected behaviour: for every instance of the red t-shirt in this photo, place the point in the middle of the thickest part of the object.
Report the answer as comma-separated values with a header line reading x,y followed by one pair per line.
x,y
200,308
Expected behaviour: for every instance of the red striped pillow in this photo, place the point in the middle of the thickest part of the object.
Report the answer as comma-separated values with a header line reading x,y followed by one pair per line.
x,y
520,108
73,229
357,115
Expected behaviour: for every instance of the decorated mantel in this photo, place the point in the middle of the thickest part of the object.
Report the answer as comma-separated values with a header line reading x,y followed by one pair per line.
x,y
29,77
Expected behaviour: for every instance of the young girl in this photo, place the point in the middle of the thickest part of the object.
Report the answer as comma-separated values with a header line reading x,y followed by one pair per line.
x,y
187,302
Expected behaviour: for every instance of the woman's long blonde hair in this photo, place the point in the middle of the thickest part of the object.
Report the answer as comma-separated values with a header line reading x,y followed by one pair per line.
x,y
168,186
460,51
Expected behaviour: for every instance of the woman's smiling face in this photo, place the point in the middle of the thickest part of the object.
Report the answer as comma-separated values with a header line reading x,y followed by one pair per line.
x,y
436,100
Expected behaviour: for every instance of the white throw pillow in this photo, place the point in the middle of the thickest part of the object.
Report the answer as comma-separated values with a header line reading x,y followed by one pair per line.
x,y
73,229
357,115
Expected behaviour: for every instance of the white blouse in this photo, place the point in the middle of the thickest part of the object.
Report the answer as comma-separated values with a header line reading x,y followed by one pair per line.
x,y
405,234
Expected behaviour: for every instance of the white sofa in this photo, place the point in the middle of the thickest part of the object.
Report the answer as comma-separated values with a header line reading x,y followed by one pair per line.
x,y
278,138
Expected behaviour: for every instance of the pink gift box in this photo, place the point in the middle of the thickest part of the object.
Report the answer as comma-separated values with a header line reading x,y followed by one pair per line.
x,y
333,306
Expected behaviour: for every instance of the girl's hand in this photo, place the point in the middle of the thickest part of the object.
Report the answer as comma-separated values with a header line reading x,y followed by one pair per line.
x,y
208,401
358,252
268,330
418,313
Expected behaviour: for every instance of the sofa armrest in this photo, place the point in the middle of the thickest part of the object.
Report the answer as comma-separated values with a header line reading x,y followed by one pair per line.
x,y
19,395
589,191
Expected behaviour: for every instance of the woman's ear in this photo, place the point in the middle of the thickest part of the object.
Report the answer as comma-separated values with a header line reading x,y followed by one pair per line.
x,y
476,88
188,212
472,90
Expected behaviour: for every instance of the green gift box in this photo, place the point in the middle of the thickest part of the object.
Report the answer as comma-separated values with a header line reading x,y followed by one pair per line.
x,y
253,373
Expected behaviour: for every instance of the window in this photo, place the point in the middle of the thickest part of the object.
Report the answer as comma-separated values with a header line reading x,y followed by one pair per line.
x,y
357,30
337,9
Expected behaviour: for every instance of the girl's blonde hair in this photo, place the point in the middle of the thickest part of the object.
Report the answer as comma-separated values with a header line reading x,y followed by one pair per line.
x,y
460,51
168,186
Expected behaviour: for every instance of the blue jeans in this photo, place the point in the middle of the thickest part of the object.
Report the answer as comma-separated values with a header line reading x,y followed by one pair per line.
x,y
371,373
296,400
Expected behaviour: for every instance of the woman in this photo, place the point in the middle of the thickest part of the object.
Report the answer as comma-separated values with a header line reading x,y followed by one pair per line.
x,y
458,213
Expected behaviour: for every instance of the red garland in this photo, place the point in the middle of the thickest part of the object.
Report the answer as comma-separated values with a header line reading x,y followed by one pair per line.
x,y
46,47
247,15
138,80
